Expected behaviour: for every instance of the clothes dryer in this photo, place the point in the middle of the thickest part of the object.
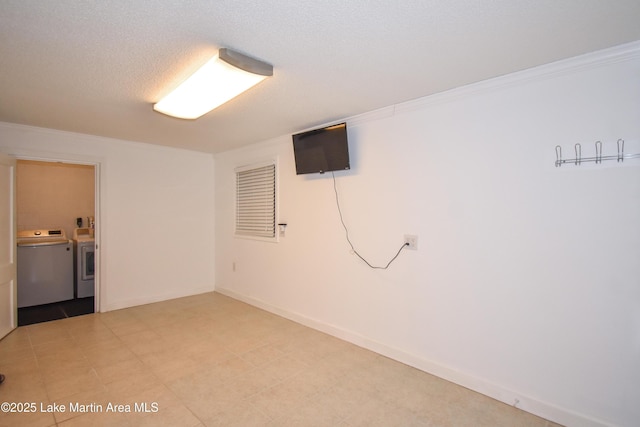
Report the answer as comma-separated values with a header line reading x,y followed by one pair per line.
x,y
84,250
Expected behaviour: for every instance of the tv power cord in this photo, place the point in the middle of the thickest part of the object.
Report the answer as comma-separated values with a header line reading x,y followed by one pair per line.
x,y
346,231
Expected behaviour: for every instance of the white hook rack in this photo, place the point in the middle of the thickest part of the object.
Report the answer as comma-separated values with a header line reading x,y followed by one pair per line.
x,y
599,158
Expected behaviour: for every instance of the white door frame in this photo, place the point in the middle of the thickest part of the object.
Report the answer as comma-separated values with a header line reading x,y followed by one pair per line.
x,y
8,270
97,164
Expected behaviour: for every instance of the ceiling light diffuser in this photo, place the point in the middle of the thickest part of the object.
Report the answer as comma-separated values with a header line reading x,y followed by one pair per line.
x,y
222,78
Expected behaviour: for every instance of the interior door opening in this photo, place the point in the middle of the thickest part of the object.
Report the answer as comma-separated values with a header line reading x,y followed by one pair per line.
x,y
62,198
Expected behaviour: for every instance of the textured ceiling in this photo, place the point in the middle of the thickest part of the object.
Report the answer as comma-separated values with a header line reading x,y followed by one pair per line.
x,y
96,67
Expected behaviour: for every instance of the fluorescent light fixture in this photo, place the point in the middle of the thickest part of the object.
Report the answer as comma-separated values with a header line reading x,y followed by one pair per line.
x,y
224,77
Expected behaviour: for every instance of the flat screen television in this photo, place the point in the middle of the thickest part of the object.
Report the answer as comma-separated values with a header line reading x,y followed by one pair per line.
x,y
321,150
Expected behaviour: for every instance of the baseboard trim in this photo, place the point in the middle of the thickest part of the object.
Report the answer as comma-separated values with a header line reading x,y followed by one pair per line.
x,y
529,404
118,305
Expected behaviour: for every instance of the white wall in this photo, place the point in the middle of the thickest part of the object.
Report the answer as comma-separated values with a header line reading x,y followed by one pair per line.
x,y
526,284
154,216
54,194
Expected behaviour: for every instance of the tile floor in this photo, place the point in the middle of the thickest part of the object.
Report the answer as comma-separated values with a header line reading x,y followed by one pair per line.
x,y
209,360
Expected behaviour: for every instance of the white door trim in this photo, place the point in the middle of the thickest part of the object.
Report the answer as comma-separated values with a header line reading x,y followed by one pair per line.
x,y
8,270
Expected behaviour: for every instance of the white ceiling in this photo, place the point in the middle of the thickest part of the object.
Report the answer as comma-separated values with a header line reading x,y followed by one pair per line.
x,y
96,67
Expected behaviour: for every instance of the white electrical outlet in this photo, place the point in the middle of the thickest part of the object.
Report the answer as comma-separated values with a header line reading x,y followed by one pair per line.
x,y
411,241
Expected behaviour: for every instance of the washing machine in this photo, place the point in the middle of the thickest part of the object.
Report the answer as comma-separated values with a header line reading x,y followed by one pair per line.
x,y
45,267
84,265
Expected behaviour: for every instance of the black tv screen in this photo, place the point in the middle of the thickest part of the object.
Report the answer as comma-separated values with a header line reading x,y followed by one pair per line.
x,y
321,150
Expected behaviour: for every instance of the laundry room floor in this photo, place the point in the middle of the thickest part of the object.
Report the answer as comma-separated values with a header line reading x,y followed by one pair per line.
x,y
55,311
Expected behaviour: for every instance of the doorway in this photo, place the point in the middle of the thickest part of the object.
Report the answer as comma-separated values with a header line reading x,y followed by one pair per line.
x,y
61,196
